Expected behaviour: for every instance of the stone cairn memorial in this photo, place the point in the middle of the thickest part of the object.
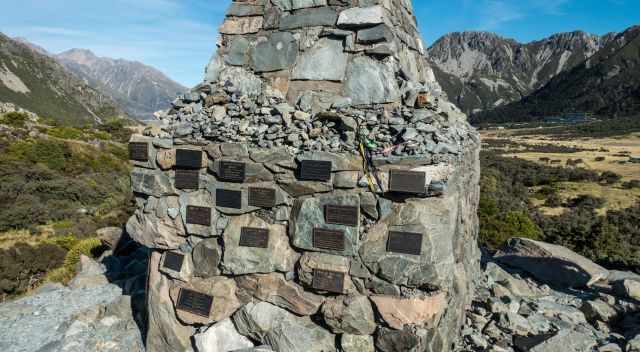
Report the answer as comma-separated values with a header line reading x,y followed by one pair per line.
x,y
316,192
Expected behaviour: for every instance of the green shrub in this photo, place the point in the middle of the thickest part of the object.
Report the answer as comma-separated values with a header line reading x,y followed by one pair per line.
x,y
610,178
23,265
66,133
631,184
117,128
553,200
67,242
587,201
495,231
14,119
89,247
101,135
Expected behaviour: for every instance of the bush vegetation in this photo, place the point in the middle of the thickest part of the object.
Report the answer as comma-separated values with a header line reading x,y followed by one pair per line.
x,y
14,119
43,181
505,211
22,266
90,247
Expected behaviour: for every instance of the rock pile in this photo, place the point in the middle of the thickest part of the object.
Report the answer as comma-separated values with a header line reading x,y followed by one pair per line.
x,y
315,193
527,302
316,77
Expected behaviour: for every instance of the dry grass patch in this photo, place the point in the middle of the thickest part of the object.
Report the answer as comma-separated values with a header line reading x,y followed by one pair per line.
x,y
615,197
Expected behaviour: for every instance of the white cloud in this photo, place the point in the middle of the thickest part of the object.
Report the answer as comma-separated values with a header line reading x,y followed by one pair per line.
x,y
494,13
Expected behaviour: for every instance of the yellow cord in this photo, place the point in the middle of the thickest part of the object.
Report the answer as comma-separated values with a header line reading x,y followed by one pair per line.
x,y
364,166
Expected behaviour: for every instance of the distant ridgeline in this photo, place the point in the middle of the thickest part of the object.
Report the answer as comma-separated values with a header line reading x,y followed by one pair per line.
x,y
315,193
579,72
36,82
607,85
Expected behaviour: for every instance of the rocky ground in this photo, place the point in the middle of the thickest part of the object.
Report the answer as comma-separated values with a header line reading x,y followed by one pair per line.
x,y
532,296
539,297
100,310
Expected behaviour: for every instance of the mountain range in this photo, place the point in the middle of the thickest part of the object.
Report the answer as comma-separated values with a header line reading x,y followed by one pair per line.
x,y
494,79
39,83
139,89
126,87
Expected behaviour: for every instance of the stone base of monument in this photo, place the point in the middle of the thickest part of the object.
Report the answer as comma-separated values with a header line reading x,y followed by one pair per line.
x,y
315,193
299,253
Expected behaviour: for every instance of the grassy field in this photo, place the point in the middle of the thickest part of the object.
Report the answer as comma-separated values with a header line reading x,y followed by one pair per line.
x,y
565,185
610,154
615,197
600,154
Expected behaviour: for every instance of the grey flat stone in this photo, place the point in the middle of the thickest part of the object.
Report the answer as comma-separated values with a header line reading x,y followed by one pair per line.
x,y
278,52
326,61
323,16
370,82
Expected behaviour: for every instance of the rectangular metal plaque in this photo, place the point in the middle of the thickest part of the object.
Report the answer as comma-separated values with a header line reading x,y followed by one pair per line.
x,y
328,239
405,243
173,261
194,302
189,159
139,151
330,281
229,199
411,182
254,237
315,170
198,215
341,215
232,171
262,197
187,179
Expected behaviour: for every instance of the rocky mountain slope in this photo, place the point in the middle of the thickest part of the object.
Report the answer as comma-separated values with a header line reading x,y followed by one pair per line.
x,y
480,70
140,89
607,84
40,84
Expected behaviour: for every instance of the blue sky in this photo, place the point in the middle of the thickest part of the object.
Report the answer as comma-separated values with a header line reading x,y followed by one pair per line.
x,y
178,36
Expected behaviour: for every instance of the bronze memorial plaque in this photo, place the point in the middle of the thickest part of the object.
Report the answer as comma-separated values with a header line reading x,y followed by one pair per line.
x,y
198,215
189,159
332,240
254,237
405,243
194,302
341,215
411,182
232,171
173,261
315,170
262,197
139,151
330,281
187,179
228,199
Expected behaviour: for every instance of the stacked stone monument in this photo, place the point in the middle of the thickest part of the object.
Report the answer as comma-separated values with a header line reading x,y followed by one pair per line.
x,y
316,193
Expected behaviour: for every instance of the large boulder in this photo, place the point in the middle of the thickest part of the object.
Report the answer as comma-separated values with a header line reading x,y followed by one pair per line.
x,y
553,264
628,288
88,317
281,330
